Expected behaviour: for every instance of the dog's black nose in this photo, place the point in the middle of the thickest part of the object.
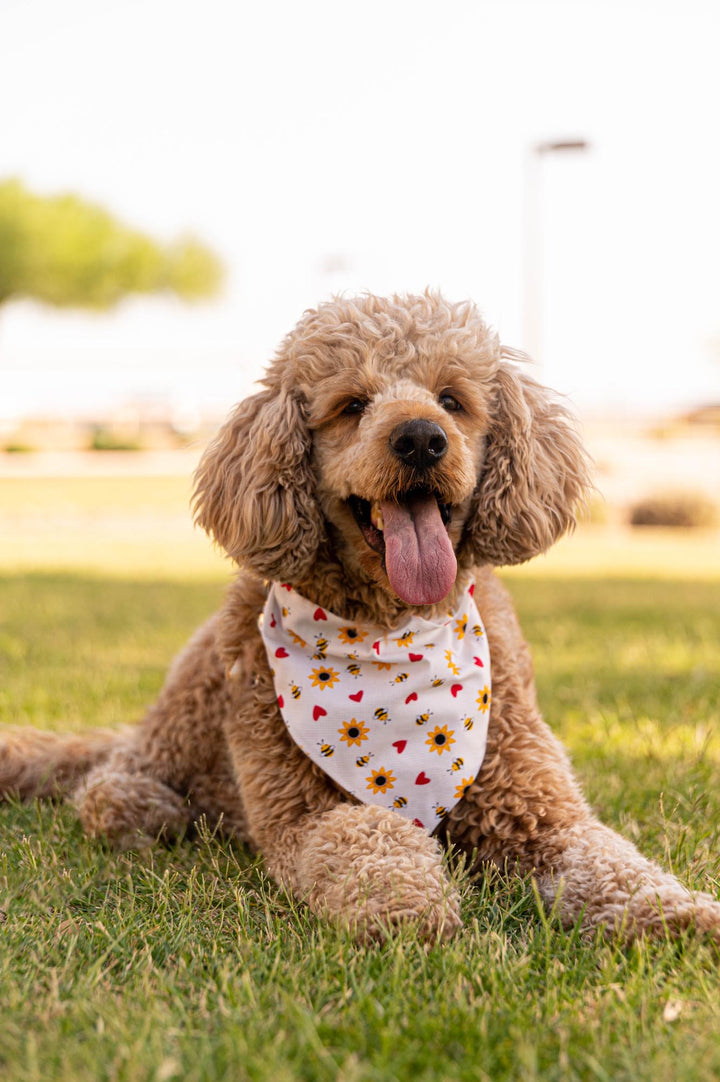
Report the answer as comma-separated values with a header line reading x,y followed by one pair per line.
x,y
419,443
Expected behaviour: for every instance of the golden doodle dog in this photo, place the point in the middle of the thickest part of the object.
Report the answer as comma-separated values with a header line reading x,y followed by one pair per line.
x,y
365,693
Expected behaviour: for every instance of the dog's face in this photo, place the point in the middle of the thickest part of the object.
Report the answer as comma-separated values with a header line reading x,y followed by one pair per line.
x,y
397,449
393,434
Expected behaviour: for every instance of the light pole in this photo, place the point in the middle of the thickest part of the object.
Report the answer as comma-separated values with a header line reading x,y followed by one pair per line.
x,y
533,239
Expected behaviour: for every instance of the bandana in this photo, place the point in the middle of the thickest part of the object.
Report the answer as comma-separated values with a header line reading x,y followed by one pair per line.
x,y
397,718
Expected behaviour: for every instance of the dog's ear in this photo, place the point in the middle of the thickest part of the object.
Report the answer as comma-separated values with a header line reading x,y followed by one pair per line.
x,y
534,475
255,490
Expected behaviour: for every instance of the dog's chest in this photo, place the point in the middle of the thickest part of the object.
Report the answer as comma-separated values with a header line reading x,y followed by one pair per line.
x,y
396,718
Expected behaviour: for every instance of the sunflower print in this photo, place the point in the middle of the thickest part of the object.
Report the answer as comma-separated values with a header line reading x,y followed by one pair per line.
x,y
484,699
380,780
406,639
353,732
324,678
350,635
463,787
451,664
461,626
440,739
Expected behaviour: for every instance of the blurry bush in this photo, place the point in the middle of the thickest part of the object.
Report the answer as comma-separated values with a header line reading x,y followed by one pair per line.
x,y
18,448
102,439
66,252
675,510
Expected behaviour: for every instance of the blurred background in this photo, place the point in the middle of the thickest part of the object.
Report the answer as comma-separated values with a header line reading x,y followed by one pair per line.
x,y
179,182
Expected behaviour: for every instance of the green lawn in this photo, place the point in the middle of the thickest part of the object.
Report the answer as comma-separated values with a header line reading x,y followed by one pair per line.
x,y
188,963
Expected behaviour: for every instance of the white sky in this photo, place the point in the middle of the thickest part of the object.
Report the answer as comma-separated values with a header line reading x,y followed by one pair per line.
x,y
393,134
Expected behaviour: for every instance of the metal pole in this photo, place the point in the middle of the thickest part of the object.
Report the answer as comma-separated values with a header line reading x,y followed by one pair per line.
x,y
533,292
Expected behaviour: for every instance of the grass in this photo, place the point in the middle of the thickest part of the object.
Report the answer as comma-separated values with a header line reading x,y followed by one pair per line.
x,y
187,963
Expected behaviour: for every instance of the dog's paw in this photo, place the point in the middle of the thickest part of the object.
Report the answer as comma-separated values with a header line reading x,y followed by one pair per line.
x,y
130,810
677,910
373,871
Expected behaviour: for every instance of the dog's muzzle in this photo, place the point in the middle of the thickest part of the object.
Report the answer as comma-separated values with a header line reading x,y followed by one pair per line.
x,y
419,443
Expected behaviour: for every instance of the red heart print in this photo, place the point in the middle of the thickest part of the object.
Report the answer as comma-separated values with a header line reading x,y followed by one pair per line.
x,y
319,614
281,652
412,698
418,823
273,622
415,657
376,647
400,745
356,697
471,591
286,586
281,701
479,661
422,778
318,712
454,690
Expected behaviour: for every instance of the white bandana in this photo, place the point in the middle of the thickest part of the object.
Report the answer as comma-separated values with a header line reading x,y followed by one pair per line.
x,y
397,718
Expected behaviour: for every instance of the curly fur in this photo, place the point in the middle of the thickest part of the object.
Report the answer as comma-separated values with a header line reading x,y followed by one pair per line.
x,y
273,490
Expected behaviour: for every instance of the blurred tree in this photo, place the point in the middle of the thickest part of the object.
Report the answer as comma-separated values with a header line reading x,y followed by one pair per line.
x,y
66,252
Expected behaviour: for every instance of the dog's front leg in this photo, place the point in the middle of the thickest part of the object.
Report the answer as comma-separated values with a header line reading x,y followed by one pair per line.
x,y
372,870
526,810
358,865
600,879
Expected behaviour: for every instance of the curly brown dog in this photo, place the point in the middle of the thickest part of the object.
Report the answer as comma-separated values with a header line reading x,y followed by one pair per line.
x,y
395,456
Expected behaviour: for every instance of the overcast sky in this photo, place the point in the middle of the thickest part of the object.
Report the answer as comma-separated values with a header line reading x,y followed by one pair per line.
x,y
384,146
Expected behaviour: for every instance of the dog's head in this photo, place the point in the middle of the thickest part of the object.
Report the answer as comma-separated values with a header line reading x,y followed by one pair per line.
x,y
398,437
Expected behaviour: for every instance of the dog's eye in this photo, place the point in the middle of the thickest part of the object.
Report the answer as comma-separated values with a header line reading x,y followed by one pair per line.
x,y
355,405
449,403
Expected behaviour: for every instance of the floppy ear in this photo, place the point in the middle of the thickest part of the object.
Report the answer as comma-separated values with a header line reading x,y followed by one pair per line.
x,y
534,474
255,490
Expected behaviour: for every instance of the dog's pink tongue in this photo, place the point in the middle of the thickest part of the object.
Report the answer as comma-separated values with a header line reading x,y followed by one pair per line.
x,y
419,556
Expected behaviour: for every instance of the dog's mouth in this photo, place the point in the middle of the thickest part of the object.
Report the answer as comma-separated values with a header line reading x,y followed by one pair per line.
x,y
410,533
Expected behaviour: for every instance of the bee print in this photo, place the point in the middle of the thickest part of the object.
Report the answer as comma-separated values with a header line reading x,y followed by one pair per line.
x,y
468,724
401,678
326,749
440,810
363,760
399,802
381,714
477,631
321,648
437,682
354,669
421,719
457,764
